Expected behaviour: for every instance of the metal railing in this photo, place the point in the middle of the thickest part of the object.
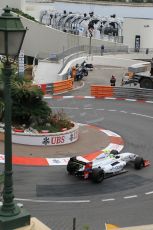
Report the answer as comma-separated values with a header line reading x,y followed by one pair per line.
x,y
141,50
133,93
78,51
84,48
65,62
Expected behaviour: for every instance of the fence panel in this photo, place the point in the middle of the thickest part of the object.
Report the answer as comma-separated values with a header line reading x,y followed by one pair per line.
x,y
101,91
133,93
121,92
62,86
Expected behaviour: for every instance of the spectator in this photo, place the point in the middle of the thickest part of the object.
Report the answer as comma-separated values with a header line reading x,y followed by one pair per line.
x,y
69,73
73,72
112,80
151,71
102,50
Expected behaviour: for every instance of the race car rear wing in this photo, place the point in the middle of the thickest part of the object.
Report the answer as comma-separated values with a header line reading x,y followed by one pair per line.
x,y
75,160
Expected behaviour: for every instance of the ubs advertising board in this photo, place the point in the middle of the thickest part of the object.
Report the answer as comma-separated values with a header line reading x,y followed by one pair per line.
x,y
47,139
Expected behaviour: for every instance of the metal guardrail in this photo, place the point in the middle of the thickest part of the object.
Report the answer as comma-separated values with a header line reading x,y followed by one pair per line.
x,y
84,48
115,49
141,50
133,93
71,57
101,91
78,51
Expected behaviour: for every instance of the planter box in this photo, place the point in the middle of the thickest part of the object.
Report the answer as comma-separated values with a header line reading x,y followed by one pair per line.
x,y
45,138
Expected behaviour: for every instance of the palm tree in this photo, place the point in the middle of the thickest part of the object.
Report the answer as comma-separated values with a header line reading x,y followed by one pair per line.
x,y
28,106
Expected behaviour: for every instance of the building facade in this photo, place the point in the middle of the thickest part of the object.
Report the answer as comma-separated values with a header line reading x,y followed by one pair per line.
x,y
138,33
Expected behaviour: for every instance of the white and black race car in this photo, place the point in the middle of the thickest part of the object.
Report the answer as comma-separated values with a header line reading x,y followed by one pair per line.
x,y
108,164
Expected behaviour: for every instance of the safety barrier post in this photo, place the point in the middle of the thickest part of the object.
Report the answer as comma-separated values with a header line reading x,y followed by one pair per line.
x,y
74,223
101,91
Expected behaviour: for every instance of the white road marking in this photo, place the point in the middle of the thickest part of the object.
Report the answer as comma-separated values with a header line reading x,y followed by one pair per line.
x,y
53,201
122,111
112,110
100,109
142,115
130,100
110,98
149,193
81,124
110,199
110,133
68,97
130,197
47,97
76,201
92,97
149,102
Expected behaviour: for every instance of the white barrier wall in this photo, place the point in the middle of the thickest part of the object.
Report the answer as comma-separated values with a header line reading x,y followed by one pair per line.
x,y
46,72
47,139
44,39
108,60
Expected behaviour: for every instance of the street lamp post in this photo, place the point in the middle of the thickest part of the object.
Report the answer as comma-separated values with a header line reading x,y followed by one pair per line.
x,y
90,36
90,29
12,35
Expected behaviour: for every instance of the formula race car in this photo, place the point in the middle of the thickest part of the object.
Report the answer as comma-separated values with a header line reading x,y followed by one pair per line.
x,y
108,164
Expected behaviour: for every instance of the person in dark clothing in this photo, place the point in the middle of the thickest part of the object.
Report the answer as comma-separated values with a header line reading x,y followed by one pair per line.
x,y
151,71
112,80
102,50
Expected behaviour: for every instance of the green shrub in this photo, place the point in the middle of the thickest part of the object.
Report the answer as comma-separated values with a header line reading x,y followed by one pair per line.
x,y
17,11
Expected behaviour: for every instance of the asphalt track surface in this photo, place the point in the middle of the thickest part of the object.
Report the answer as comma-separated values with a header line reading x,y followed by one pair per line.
x,y
56,198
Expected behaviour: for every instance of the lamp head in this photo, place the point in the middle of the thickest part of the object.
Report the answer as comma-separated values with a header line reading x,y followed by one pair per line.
x,y
12,33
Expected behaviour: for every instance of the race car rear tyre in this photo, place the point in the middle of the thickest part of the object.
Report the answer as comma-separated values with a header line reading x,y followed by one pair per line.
x,y
97,175
138,163
71,166
114,152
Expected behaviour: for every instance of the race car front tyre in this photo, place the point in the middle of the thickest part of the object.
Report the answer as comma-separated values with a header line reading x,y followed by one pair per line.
x,y
97,175
138,163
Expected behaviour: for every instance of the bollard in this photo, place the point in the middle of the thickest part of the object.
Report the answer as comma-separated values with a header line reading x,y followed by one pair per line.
x,y
74,223
147,51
